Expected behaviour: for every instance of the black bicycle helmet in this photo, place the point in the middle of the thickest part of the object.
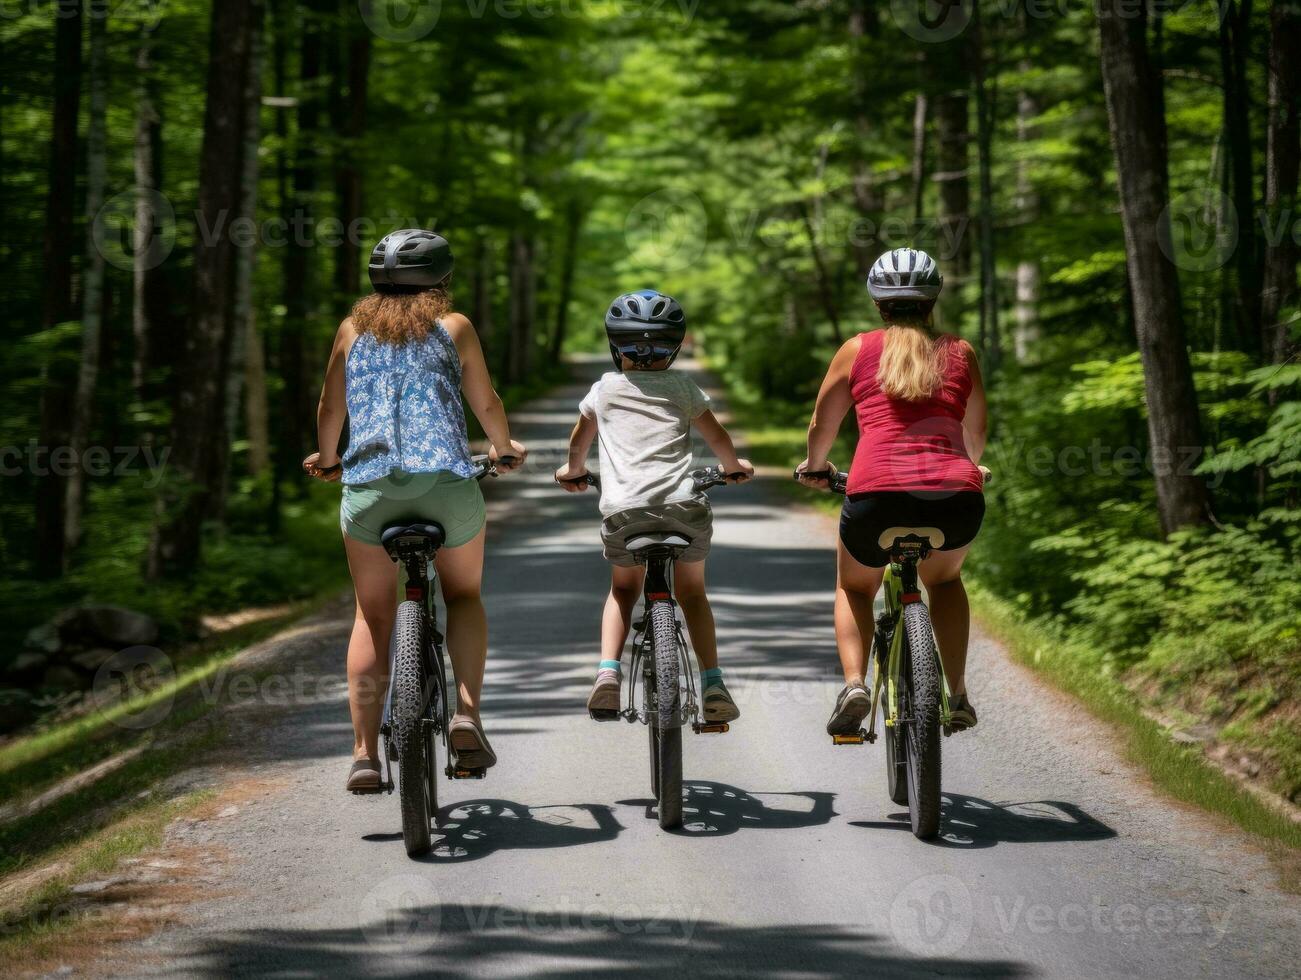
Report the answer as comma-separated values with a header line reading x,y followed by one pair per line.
x,y
410,261
905,274
645,327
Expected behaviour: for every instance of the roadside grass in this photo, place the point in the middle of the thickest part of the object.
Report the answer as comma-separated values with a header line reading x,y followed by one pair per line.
x,y
1183,772
36,921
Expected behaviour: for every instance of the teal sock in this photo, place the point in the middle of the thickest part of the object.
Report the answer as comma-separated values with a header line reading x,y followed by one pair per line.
x,y
711,676
613,665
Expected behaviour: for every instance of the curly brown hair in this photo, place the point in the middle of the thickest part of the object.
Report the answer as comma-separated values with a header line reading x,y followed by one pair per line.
x,y
396,318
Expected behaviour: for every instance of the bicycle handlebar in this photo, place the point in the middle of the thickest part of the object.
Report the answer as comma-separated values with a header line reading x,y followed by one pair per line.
x,y
836,482
488,466
588,479
708,477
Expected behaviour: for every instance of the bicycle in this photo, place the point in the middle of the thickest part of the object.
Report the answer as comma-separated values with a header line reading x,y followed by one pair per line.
x,y
662,659
416,711
907,670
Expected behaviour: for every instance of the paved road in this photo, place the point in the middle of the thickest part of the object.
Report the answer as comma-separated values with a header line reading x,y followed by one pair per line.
x,y
1055,860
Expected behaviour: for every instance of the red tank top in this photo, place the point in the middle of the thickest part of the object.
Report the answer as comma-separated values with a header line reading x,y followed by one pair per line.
x,y
905,445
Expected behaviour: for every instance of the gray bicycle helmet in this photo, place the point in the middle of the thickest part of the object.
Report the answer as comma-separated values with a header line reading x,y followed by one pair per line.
x,y
645,327
905,274
410,261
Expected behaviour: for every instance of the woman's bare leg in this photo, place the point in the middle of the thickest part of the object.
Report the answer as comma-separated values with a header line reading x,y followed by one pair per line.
x,y
856,588
941,573
374,579
460,570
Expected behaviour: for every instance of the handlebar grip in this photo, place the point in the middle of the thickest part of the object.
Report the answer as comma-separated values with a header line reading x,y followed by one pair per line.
x,y
508,461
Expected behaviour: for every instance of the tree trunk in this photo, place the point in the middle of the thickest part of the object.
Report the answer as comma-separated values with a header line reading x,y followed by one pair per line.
x,y
92,293
246,360
1026,333
348,182
1235,41
1283,157
300,288
523,302
919,155
991,348
148,303
1133,93
868,200
58,371
574,216
951,176
198,431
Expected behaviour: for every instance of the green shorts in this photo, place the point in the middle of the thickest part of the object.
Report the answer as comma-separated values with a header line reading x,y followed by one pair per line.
x,y
444,498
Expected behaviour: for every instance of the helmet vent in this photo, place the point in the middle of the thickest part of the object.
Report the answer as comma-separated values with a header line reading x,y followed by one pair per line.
x,y
634,306
657,309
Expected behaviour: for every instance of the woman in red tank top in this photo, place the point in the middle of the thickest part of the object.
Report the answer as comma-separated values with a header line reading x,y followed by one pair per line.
x,y
920,405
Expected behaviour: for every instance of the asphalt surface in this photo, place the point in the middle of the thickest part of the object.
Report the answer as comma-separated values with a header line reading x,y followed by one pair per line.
x,y
1055,860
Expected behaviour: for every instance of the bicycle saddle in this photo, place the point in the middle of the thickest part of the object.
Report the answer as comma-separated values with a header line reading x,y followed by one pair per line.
x,y
664,540
932,535
429,536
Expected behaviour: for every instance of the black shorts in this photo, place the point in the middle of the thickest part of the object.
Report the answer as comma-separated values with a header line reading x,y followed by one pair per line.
x,y
865,515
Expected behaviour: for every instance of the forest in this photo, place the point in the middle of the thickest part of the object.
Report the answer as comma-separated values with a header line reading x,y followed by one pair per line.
x,y
190,189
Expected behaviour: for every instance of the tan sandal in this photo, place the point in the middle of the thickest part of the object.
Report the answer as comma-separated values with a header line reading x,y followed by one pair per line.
x,y
470,745
364,776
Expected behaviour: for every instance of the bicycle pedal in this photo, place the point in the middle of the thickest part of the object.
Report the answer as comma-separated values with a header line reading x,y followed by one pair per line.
x,y
707,728
604,714
858,738
466,773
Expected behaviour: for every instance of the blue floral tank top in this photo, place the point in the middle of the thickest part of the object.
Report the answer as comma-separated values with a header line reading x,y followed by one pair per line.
x,y
404,408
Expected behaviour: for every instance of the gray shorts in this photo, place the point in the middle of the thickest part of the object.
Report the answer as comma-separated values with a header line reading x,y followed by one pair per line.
x,y
692,519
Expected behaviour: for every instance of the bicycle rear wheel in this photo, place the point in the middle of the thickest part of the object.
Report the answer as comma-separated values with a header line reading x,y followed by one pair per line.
x,y
922,721
666,728
413,735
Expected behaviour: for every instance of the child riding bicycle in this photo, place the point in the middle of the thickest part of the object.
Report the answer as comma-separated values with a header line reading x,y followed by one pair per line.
x,y
643,415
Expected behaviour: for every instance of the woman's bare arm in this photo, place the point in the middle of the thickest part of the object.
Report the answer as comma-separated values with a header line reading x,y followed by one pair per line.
x,y
332,410
975,423
833,404
480,395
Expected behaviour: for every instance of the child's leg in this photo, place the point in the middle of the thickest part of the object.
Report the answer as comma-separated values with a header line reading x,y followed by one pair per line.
x,y
689,587
625,590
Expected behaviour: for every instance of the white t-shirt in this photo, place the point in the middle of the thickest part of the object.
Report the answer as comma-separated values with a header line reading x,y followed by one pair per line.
x,y
643,421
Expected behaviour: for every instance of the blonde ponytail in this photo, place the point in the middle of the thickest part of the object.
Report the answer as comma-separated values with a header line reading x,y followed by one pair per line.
x,y
912,364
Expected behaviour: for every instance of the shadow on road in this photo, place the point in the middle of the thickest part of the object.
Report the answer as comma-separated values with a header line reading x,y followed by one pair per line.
x,y
716,809
459,940
970,822
477,828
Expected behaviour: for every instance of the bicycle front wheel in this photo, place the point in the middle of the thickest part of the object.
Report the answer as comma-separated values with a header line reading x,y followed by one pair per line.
x,y
922,722
412,733
666,728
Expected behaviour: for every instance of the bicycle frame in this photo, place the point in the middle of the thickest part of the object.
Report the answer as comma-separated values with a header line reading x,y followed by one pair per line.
x,y
900,587
658,587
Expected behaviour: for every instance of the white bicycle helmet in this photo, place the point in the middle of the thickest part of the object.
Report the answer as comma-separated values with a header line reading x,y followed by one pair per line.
x,y
905,274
